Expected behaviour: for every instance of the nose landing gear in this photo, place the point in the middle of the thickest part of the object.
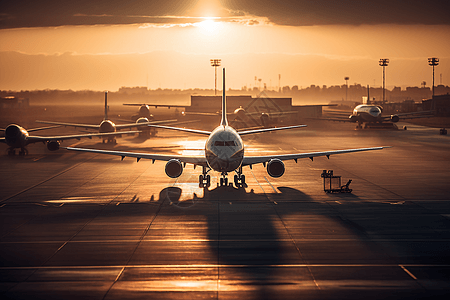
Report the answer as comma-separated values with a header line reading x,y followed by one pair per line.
x,y
224,179
239,178
204,179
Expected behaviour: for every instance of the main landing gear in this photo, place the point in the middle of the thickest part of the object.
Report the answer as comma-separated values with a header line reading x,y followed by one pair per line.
x,y
204,179
239,179
22,152
109,141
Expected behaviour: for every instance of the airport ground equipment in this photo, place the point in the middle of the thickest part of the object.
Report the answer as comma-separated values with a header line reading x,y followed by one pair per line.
x,y
332,183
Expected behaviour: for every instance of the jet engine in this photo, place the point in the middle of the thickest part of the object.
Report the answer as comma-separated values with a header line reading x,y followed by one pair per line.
x,y
53,145
174,168
275,168
395,118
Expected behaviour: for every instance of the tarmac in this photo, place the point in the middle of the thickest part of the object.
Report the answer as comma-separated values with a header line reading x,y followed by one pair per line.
x,y
90,226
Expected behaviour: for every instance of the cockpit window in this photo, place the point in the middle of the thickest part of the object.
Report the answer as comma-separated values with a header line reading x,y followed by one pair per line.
x,y
224,143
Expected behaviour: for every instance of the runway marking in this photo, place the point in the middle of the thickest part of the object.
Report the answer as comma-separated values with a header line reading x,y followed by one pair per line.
x,y
253,174
271,185
62,246
408,272
120,273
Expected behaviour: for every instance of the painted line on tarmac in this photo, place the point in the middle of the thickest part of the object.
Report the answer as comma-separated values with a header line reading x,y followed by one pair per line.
x,y
408,272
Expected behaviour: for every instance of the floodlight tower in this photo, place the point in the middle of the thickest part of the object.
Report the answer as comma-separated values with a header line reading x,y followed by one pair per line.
x,y
433,61
384,62
215,63
346,78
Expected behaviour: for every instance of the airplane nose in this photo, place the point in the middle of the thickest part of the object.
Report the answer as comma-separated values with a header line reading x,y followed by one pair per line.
x,y
12,131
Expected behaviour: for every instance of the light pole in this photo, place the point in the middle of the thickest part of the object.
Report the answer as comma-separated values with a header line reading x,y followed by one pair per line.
x,y
433,61
215,63
384,62
346,87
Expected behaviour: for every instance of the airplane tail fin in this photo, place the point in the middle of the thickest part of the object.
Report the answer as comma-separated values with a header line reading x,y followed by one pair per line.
x,y
224,103
106,105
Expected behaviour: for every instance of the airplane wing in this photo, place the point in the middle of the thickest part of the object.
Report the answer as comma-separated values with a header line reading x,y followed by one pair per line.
x,y
137,125
35,139
240,132
195,160
336,112
250,160
413,115
272,113
88,126
154,105
344,119
201,160
198,113
268,129
36,129
182,129
209,114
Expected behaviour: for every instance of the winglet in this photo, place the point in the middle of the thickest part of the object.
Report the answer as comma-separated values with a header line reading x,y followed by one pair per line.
x,y
224,103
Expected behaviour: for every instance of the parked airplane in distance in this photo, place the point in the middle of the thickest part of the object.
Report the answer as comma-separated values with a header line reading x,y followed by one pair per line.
x,y
108,126
371,116
18,137
224,153
144,110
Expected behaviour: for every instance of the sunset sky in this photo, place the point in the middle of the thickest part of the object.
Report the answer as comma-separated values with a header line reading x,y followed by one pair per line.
x,y
103,45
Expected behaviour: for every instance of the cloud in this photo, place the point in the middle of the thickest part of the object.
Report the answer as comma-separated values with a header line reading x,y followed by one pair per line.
x,y
45,13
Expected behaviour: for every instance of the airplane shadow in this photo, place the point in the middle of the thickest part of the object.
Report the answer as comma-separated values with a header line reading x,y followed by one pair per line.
x,y
246,235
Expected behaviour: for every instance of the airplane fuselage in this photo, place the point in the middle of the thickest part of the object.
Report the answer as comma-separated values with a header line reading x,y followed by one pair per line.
x,y
224,149
107,126
366,113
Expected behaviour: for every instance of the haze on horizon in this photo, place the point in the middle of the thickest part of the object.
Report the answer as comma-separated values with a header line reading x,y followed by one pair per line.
x,y
104,45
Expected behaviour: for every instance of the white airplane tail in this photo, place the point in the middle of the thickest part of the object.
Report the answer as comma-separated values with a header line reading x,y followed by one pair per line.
x,y
106,106
224,104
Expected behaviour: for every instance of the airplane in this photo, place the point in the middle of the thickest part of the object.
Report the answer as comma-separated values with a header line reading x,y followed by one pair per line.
x,y
108,126
224,153
371,116
144,110
18,137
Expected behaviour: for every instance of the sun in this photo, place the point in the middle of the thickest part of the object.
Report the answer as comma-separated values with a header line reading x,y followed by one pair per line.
x,y
209,26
